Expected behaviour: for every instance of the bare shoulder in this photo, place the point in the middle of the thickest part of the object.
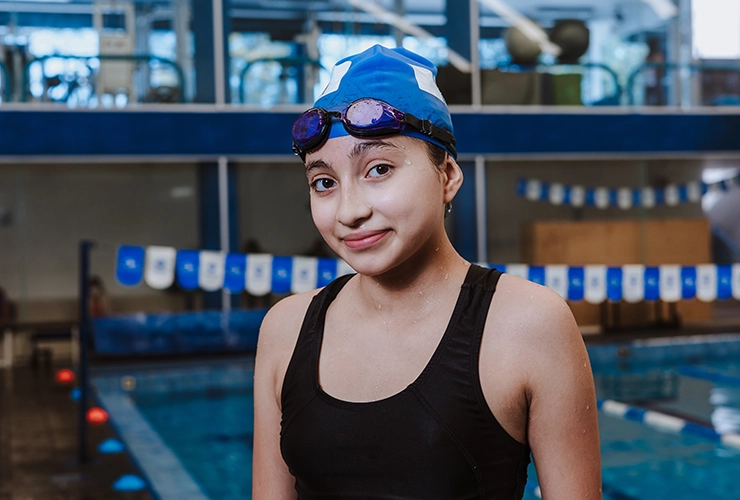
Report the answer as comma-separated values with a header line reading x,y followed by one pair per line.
x,y
535,327
277,339
282,323
531,310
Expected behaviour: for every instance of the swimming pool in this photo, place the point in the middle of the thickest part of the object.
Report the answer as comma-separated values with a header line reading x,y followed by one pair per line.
x,y
202,416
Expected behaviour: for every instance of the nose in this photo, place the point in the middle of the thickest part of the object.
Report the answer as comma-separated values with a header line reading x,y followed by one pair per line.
x,y
353,208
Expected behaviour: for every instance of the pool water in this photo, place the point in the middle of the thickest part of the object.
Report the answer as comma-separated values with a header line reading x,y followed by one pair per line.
x,y
211,432
206,419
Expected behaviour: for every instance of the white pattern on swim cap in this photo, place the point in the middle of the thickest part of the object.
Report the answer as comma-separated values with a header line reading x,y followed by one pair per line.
x,y
337,73
425,79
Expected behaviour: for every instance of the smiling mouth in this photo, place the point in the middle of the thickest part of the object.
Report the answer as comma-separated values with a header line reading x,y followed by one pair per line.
x,y
364,240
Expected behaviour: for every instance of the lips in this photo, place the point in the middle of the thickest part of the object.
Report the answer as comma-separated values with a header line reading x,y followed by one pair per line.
x,y
363,240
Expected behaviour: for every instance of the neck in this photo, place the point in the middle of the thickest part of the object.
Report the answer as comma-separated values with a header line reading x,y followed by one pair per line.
x,y
428,276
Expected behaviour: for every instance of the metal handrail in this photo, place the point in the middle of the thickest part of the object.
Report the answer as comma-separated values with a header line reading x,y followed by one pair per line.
x,y
7,82
693,67
292,61
538,67
107,57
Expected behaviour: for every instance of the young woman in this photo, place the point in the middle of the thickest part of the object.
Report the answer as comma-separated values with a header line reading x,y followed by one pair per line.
x,y
412,379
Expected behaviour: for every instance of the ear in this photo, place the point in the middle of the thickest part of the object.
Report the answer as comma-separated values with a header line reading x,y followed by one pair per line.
x,y
453,178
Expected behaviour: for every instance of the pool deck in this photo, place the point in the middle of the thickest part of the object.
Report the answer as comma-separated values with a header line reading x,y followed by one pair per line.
x,y
38,444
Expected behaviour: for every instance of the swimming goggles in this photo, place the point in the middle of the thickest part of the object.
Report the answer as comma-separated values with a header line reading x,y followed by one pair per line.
x,y
363,118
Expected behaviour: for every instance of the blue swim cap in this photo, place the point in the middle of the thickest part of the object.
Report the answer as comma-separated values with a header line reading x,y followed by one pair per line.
x,y
401,78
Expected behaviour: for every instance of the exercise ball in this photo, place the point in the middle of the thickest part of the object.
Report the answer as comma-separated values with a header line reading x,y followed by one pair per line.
x,y
522,49
573,37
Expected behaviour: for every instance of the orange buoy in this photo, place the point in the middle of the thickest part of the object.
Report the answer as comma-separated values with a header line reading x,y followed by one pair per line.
x,y
97,415
65,376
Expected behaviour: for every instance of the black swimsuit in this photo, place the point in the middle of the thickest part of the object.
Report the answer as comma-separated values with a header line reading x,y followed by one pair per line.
x,y
436,439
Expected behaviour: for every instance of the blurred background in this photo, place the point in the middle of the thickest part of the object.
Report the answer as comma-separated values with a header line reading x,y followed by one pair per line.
x,y
151,210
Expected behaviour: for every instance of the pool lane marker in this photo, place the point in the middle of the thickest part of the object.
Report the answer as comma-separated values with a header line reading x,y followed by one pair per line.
x,y
716,377
667,423
167,476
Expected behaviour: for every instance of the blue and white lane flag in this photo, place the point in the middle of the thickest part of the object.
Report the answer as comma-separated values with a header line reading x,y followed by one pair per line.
x,y
327,271
577,196
159,271
595,284
633,283
556,278
652,283
614,279
601,197
235,272
187,269
211,275
534,190
537,275
706,282
282,272
672,197
625,197
648,197
344,268
557,194
724,282
688,282
576,279
518,270
736,281
129,265
693,192
305,274
259,274
670,283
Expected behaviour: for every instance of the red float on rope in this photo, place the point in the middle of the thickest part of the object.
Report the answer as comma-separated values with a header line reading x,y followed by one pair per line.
x,y
65,376
97,415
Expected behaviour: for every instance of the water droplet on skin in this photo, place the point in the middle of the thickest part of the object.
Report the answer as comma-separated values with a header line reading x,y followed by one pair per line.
x,y
379,306
531,297
369,205
446,276
436,249
407,162
588,407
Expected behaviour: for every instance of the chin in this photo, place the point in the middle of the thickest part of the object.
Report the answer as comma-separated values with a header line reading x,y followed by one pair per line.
x,y
374,265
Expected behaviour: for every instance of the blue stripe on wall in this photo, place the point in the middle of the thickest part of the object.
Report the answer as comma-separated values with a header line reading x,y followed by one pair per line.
x,y
80,133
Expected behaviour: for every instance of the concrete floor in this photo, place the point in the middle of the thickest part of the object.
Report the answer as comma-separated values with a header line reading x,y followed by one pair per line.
x,y
39,444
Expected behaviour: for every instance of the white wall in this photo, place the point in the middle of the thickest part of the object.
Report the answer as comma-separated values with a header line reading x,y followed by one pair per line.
x,y
55,206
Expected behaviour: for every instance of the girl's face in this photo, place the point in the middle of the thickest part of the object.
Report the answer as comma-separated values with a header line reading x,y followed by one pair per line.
x,y
378,202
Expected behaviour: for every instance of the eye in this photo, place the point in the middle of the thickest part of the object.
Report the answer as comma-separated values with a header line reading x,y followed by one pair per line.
x,y
323,184
380,170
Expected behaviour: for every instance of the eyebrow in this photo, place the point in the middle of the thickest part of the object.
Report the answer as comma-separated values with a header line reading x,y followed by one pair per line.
x,y
316,164
358,150
364,147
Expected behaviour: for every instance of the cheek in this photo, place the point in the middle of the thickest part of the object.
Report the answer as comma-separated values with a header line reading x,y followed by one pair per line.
x,y
323,215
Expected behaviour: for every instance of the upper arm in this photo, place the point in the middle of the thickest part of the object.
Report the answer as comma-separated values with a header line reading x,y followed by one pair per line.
x,y
563,418
278,334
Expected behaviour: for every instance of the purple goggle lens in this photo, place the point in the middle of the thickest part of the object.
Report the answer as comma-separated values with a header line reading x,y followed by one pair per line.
x,y
363,118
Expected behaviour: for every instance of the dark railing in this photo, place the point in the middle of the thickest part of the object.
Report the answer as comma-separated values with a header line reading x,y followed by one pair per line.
x,y
135,58
7,82
621,95
691,68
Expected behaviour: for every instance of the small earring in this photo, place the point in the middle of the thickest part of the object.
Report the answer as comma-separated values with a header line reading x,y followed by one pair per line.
x,y
448,209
